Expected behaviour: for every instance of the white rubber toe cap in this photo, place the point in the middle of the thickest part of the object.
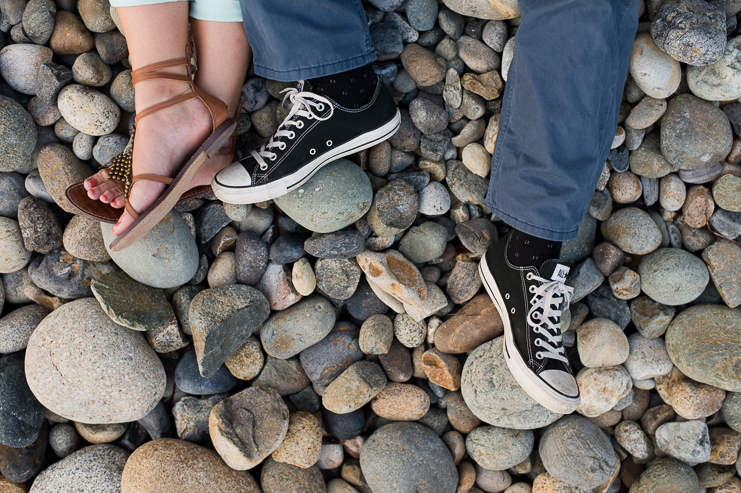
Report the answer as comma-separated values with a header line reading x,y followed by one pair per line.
x,y
561,381
233,175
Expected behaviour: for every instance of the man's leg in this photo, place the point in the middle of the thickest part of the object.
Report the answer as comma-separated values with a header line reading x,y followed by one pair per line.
x,y
345,109
559,115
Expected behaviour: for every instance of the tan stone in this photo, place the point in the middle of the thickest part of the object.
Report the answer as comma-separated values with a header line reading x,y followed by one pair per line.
x,y
100,433
422,65
690,399
59,169
177,466
401,402
303,442
698,206
488,85
460,416
724,446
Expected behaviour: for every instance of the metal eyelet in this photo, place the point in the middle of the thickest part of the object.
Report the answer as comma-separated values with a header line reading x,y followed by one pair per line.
x,y
539,355
273,158
320,107
532,289
529,276
312,151
300,125
292,135
506,296
282,146
329,143
512,310
263,167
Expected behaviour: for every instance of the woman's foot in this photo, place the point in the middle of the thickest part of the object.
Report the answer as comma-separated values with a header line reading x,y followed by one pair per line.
x,y
163,141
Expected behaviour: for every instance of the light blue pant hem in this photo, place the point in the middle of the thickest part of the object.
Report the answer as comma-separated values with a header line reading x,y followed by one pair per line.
x,y
531,229
204,10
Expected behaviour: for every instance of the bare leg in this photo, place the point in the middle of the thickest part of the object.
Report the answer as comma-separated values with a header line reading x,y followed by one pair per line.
x,y
223,57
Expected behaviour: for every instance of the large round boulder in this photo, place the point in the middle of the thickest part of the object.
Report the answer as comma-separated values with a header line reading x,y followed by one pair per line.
x,y
704,342
336,196
100,466
84,367
673,276
493,394
407,457
177,466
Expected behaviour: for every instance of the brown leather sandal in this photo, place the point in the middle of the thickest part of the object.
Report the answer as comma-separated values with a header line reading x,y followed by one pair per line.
x,y
222,125
119,170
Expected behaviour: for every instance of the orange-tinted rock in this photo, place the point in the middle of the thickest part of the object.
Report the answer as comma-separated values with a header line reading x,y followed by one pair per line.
x,y
476,323
70,37
442,369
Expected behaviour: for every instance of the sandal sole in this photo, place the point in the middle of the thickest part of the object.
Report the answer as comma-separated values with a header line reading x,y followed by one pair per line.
x,y
154,214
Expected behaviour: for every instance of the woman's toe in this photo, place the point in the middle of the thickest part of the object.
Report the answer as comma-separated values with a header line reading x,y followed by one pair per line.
x,y
123,223
106,190
97,179
118,202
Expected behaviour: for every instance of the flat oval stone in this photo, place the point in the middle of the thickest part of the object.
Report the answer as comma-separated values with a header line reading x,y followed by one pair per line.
x,y
405,457
328,358
474,324
632,230
13,255
667,474
17,326
694,133
719,81
131,304
340,245
401,402
277,477
178,466
188,377
167,256
577,452
690,31
21,415
17,136
354,388
336,196
65,276
493,394
289,332
70,371
100,465
303,441
88,110
59,169
19,64
656,73
82,238
672,276
727,192
703,342
498,449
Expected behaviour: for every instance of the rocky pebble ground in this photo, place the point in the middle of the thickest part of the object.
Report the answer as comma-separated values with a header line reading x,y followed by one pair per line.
x,y
338,339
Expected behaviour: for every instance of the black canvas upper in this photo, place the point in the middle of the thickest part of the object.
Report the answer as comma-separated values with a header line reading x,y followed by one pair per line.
x,y
319,136
514,287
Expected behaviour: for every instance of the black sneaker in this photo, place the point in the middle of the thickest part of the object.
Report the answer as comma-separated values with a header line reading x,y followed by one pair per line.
x,y
316,131
530,303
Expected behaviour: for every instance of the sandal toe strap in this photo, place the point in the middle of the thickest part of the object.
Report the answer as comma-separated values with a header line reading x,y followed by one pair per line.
x,y
145,177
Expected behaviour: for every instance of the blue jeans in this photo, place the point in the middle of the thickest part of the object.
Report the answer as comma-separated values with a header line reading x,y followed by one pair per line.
x,y
559,112
304,39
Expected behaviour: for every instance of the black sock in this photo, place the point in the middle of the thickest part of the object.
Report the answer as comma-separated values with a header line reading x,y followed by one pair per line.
x,y
351,89
526,250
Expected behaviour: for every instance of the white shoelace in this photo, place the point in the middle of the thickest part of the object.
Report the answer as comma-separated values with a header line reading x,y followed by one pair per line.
x,y
303,103
546,300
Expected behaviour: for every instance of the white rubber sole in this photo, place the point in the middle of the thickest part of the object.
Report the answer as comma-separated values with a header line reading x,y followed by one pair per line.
x,y
535,388
273,189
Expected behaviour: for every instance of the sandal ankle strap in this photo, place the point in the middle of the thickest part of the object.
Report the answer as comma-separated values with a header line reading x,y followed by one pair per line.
x,y
217,108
